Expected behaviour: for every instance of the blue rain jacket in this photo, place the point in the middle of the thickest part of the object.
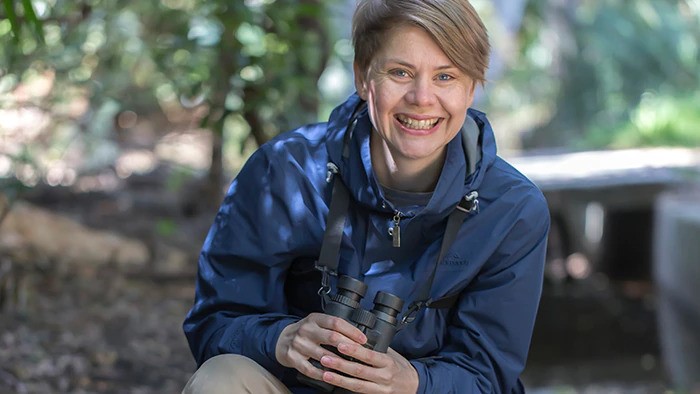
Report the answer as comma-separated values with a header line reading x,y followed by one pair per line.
x,y
256,268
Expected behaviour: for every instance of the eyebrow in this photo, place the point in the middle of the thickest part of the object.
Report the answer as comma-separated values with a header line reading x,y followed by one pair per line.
x,y
409,65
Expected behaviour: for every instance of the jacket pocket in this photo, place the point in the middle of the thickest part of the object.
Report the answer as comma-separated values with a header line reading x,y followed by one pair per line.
x,y
301,287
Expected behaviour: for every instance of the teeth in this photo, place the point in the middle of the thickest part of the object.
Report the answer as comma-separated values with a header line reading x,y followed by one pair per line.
x,y
417,124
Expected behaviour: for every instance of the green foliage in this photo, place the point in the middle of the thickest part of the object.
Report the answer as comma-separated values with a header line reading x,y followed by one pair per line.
x,y
589,71
252,66
175,181
10,189
658,120
165,227
30,19
588,66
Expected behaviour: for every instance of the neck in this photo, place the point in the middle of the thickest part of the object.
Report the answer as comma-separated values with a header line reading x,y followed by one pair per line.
x,y
403,174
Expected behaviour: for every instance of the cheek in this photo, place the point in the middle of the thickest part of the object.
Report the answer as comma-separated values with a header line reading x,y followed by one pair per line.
x,y
385,102
457,110
376,107
457,105
373,109
456,122
385,92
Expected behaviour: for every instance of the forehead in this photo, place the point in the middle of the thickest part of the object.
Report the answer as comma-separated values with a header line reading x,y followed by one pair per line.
x,y
410,43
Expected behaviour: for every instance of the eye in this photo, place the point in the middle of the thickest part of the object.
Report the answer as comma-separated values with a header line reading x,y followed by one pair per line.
x,y
445,77
398,72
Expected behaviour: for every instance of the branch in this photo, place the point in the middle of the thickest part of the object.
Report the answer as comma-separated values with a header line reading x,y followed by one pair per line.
x,y
30,18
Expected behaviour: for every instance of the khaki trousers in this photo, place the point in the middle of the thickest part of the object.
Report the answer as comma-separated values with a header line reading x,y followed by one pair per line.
x,y
233,373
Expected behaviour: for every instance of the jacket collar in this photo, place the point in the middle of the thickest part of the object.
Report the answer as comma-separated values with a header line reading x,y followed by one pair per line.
x,y
356,170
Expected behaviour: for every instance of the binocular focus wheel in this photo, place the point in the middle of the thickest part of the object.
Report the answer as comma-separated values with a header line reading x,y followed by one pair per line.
x,y
345,300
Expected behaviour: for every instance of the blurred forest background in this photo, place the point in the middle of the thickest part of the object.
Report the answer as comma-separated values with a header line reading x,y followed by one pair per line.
x,y
122,123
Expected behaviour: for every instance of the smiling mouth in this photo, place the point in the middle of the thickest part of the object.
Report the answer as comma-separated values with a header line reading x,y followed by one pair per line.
x,y
425,124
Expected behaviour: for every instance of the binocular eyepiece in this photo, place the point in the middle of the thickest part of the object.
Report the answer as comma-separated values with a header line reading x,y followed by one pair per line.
x,y
379,324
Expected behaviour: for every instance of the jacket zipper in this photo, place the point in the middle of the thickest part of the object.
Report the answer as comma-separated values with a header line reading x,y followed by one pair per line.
x,y
395,230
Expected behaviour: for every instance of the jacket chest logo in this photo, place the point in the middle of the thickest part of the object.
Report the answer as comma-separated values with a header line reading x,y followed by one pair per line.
x,y
454,260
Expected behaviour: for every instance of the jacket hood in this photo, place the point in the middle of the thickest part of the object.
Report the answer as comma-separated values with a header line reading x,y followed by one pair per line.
x,y
469,155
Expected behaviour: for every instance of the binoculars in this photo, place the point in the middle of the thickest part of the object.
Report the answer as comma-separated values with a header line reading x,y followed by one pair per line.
x,y
379,325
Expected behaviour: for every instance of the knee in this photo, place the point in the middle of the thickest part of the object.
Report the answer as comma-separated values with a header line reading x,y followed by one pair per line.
x,y
222,374
228,366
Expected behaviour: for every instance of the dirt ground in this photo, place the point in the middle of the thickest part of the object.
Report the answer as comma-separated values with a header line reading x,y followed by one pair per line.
x,y
107,331
114,334
596,337
108,334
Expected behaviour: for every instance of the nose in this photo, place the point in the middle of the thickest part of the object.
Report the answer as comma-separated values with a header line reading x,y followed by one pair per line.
x,y
422,92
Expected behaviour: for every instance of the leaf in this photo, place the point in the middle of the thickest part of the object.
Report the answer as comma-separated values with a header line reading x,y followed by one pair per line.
x,y
12,16
33,20
166,227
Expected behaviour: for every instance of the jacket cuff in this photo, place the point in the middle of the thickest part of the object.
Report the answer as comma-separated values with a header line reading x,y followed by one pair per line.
x,y
262,350
422,375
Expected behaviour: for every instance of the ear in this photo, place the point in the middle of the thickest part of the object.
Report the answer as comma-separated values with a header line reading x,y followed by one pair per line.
x,y
360,81
470,93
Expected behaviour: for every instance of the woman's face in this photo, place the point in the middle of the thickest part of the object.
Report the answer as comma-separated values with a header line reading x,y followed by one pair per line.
x,y
417,98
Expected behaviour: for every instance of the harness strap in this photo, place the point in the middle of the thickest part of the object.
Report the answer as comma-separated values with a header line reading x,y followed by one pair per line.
x,y
335,222
466,205
337,214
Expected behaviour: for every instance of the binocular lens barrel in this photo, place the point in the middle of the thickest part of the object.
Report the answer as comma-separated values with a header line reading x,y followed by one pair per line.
x,y
351,287
387,303
347,299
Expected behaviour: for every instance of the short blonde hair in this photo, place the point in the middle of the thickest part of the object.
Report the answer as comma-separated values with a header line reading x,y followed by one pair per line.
x,y
453,24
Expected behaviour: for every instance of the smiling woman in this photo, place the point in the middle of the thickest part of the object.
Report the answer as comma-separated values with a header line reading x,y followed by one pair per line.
x,y
401,197
417,102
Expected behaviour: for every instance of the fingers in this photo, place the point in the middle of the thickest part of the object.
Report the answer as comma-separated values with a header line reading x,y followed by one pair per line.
x,y
357,377
301,341
295,350
369,371
360,363
307,346
367,356
307,368
352,384
338,325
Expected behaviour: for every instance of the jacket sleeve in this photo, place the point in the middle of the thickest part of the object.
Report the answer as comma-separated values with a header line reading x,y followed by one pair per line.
x,y
488,336
240,305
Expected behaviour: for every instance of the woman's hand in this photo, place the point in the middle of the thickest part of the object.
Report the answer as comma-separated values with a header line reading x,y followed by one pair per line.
x,y
301,341
385,373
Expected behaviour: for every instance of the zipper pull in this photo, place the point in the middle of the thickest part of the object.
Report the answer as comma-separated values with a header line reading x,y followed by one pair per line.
x,y
332,169
395,231
473,201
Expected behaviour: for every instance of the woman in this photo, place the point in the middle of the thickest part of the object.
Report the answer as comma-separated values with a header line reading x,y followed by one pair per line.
x,y
408,150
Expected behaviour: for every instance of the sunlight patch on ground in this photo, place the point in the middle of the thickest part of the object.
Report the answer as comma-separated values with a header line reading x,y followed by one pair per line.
x,y
21,126
137,161
190,149
604,163
106,181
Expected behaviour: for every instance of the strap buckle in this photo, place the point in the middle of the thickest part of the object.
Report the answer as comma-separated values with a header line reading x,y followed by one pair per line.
x,y
412,311
326,274
325,289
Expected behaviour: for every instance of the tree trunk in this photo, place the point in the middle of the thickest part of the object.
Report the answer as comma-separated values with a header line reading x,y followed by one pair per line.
x,y
568,122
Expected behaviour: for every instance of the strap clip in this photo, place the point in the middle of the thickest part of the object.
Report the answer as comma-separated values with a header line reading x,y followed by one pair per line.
x,y
470,203
325,290
412,311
